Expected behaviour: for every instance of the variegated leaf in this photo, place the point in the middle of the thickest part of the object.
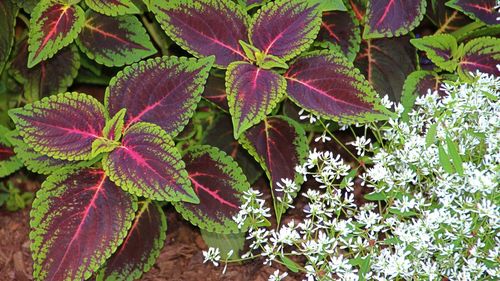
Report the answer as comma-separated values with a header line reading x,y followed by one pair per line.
x,y
285,28
252,93
163,91
114,41
61,126
78,220
219,183
53,26
205,27
148,164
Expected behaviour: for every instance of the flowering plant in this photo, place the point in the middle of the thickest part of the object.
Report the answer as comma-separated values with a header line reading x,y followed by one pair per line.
x,y
431,209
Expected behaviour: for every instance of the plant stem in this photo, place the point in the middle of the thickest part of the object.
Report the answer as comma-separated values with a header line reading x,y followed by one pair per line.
x,y
157,34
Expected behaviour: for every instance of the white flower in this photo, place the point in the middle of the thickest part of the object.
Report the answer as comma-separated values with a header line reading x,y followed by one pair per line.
x,y
360,143
276,276
213,255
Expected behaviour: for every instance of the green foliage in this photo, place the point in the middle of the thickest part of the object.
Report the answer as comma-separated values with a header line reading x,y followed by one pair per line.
x,y
441,49
13,199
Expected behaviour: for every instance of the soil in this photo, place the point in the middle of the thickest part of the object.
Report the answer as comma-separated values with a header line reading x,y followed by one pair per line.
x,y
180,260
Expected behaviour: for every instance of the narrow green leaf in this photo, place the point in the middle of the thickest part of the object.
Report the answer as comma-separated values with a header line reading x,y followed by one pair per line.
x,y
455,155
444,160
113,130
290,264
430,137
271,61
103,145
249,50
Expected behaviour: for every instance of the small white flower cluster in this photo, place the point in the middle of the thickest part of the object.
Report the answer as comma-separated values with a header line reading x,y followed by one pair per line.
x,y
433,211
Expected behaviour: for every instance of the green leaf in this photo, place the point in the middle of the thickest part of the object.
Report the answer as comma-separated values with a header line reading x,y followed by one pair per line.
x,y
26,5
455,155
225,242
444,160
114,7
53,25
9,163
8,13
363,264
113,130
430,137
441,49
271,61
249,49
376,196
290,264
103,145
329,5
403,214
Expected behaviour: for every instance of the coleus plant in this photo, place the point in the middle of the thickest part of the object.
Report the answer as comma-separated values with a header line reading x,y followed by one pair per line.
x,y
116,162
256,51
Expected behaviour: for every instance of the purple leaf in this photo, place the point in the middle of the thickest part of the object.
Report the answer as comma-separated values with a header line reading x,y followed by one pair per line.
x,y
77,221
220,135
341,28
163,91
205,27
386,63
148,164
219,183
39,163
114,41
483,10
480,54
215,91
330,86
51,76
359,8
140,248
252,93
388,18
53,25
445,18
279,144
285,28
61,126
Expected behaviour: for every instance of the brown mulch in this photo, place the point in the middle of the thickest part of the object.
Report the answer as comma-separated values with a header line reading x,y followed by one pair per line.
x,y
180,260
